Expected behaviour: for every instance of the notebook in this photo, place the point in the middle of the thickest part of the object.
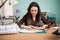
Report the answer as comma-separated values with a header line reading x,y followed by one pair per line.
x,y
31,31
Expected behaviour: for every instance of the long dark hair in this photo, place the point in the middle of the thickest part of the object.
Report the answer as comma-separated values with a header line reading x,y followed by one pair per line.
x,y
34,4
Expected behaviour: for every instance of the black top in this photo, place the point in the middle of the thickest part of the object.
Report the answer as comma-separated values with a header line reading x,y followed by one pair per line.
x,y
27,21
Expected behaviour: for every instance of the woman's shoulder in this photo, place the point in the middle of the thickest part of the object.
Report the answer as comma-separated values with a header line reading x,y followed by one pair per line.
x,y
42,17
25,16
41,14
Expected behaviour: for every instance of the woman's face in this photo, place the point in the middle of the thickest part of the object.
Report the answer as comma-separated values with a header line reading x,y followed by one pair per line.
x,y
34,11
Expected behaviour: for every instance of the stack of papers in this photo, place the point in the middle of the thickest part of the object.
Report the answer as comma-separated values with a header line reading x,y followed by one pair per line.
x,y
7,29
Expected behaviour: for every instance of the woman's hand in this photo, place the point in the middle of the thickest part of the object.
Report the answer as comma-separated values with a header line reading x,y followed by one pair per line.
x,y
26,27
45,26
39,28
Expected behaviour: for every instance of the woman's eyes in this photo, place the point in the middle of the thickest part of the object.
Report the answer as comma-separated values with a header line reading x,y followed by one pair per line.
x,y
33,10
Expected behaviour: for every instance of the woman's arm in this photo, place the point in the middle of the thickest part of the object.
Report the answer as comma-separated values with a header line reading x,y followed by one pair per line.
x,y
26,27
23,20
45,21
39,28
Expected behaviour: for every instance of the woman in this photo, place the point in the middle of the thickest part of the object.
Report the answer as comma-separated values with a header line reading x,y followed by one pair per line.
x,y
33,19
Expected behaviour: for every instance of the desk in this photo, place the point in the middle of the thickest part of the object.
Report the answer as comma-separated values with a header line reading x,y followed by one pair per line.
x,y
47,36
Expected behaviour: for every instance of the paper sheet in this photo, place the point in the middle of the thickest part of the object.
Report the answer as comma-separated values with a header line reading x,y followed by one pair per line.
x,y
29,31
